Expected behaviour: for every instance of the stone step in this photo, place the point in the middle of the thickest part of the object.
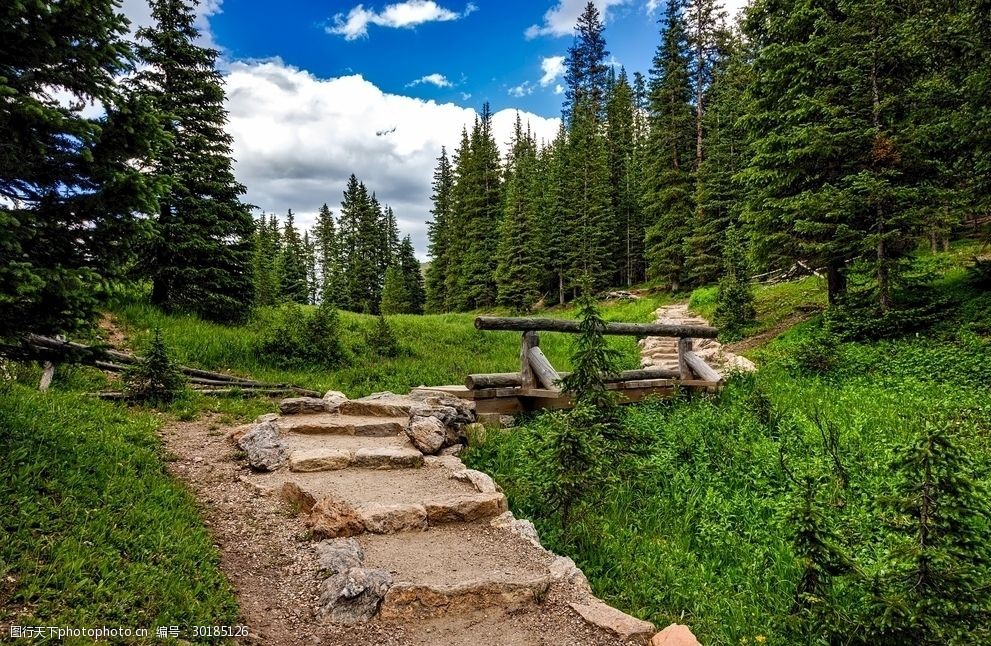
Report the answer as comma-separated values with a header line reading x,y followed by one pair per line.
x,y
338,424
458,569
373,457
379,405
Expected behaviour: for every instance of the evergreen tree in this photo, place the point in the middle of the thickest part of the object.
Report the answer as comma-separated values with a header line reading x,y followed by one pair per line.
x,y
265,263
292,265
326,241
409,268
457,237
70,186
518,272
667,196
155,378
480,205
734,299
556,217
586,72
717,194
200,257
438,234
395,297
354,203
621,145
310,261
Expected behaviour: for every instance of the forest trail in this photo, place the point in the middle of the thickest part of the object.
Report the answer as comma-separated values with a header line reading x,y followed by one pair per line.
x,y
662,352
336,525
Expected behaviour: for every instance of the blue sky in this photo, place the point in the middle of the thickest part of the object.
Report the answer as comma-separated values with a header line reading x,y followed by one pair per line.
x,y
317,91
483,53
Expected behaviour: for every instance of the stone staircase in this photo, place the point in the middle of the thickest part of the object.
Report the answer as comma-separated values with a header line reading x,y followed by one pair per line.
x,y
405,532
662,352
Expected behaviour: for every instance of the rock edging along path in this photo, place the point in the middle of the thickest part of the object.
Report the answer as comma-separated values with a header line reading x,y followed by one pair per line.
x,y
405,534
662,352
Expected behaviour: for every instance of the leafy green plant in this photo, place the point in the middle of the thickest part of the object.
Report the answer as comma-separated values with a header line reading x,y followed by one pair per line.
x,y
382,340
155,378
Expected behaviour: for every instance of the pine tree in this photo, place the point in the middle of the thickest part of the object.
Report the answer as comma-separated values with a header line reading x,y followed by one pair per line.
x,y
292,264
717,194
556,217
586,72
412,275
70,186
668,176
155,378
326,241
310,261
438,234
457,238
479,191
395,297
621,144
354,202
937,590
518,271
199,259
265,263
734,298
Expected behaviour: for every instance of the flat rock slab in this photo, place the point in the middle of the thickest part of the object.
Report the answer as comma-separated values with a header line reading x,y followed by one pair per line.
x,y
613,621
675,635
388,457
319,460
379,405
366,486
412,601
460,508
337,424
453,554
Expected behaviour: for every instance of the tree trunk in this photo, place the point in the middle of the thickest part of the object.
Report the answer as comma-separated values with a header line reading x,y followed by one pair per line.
x,y
835,281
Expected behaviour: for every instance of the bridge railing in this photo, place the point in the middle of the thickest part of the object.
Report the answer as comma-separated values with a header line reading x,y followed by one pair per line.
x,y
536,373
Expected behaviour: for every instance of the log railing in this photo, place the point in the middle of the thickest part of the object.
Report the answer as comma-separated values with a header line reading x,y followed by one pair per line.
x,y
538,375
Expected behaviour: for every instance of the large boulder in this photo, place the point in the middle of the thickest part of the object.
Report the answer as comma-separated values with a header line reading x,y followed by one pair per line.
x,y
449,409
264,448
332,518
427,433
339,555
302,406
354,595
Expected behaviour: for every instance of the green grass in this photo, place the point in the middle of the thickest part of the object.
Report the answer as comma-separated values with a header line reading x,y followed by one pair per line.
x,y
95,531
695,531
437,349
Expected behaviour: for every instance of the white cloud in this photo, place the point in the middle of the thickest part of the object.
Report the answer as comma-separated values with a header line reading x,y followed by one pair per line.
x,y
139,13
433,79
297,139
561,18
399,15
558,89
553,68
523,89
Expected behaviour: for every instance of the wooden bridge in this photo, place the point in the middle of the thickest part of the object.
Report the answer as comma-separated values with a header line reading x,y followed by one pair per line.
x,y
536,385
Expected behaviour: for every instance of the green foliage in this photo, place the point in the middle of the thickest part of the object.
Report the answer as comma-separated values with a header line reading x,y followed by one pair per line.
x,y
72,188
156,378
200,256
292,265
817,352
402,289
382,341
734,297
322,335
297,338
96,531
592,360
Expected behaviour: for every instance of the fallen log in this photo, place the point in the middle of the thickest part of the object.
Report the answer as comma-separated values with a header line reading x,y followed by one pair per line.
x,y
513,380
215,392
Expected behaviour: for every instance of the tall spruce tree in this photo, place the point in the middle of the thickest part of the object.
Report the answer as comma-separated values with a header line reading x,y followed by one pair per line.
x,y
556,217
412,274
292,264
199,259
310,261
70,186
438,233
457,225
518,273
623,171
668,173
586,73
326,241
265,263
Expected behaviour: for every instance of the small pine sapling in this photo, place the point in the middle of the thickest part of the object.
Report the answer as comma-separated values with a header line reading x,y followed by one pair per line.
x,y
734,298
322,336
155,378
382,340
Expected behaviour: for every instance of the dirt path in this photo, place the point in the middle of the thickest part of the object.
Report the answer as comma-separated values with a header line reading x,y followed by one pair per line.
x,y
465,580
662,352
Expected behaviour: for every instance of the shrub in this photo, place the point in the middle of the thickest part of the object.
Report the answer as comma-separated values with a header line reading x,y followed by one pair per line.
x,y
322,336
382,341
734,296
816,353
155,378
297,338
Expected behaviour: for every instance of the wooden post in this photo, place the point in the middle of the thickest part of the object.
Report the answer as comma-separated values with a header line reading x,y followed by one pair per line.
x,y
543,370
684,346
528,379
46,376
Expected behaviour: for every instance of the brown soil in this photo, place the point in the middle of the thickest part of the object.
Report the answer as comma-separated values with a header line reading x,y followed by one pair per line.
x,y
272,565
762,339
